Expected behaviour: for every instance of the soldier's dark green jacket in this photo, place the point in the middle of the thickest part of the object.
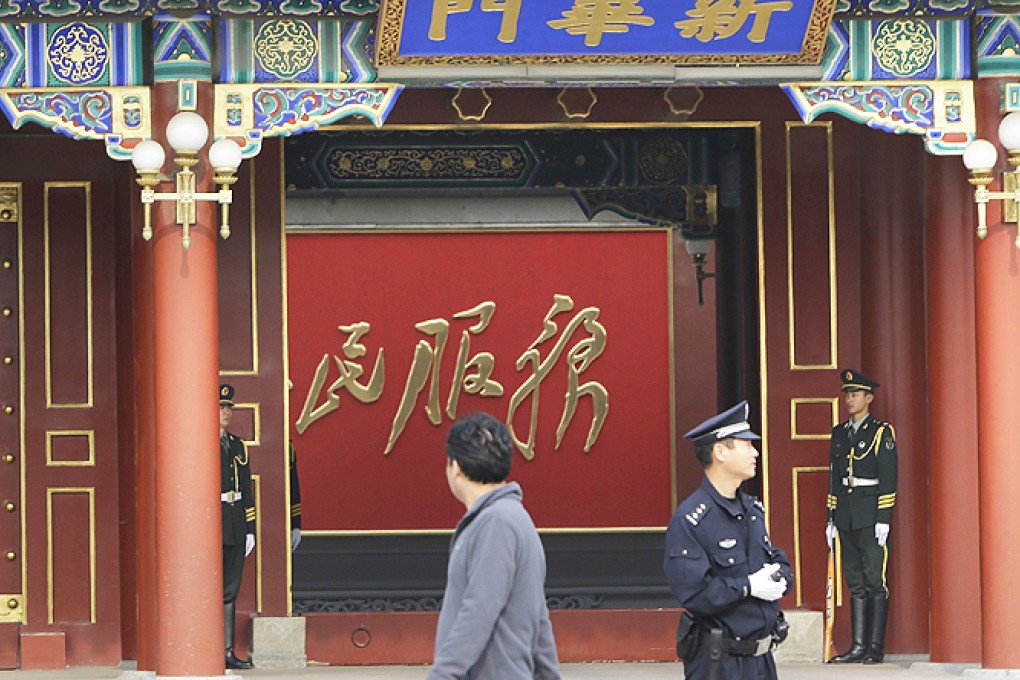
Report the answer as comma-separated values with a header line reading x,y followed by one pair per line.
x,y
295,489
856,458
235,477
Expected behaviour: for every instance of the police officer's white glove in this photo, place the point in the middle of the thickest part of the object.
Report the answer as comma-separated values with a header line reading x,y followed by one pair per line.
x,y
762,585
882,533
830,534
295,538
249,544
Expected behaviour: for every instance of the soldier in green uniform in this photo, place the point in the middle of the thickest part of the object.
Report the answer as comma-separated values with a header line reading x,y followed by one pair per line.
x,y
862,492
238,504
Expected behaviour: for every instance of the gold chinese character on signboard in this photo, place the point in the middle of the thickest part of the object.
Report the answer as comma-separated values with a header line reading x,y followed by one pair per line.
x,y
349,371
593,18
579,358
713,19
426,363
442,9
480,382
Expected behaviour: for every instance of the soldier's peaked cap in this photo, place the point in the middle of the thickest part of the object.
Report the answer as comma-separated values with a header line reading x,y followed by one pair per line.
x,y
226,395
731,423
855,380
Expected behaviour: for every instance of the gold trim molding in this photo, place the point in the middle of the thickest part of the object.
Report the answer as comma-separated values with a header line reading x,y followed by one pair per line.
x,y
10,201
53,434
13,609
457,104
825,126
795,472
795,433
569,110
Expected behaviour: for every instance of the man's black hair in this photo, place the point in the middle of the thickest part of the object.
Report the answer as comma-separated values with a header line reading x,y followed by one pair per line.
x,y
704,452
482,447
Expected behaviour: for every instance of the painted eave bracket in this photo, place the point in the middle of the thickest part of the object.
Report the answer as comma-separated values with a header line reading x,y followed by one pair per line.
x,y
121,116
941,111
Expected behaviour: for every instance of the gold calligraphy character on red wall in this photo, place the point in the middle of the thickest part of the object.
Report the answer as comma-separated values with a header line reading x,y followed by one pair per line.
x,y
593,18
427,361
579,359
350,371
714,19
480,382
442,9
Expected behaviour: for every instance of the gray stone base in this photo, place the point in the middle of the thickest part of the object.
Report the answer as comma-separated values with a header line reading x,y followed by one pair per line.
x,y
804,645
946,668
991,673
278,642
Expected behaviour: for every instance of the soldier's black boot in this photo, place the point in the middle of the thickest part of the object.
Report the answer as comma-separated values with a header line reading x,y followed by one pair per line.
x,y
876,642
859,620
228,634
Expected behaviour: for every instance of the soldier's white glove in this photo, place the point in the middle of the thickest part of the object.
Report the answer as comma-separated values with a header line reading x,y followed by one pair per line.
x,y
295,538
882,533
830,534
762,585
249,544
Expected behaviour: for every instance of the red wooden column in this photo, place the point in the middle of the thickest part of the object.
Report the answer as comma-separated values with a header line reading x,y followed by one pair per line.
x,y
997,264
145,454
189,562
952,413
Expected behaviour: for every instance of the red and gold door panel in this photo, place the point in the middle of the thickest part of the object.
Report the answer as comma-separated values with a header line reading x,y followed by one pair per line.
x,y
58,398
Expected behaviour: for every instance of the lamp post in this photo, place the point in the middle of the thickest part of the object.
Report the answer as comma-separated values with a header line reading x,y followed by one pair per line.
x,y
186,133
699,249
980,158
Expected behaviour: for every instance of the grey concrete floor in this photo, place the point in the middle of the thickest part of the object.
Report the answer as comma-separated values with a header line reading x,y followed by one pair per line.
x,y
901,670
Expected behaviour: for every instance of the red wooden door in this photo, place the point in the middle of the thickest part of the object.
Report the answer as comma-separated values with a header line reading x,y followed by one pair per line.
x,y
58,417
812,319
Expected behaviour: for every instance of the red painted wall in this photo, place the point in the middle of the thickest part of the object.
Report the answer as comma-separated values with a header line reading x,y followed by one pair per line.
x,y
395,283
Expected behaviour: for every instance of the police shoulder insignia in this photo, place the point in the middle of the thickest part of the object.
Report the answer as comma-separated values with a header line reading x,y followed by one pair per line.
x,y
695,515
758,504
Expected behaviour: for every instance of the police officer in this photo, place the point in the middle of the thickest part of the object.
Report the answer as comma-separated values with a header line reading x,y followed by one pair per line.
x,y
238,505
862,492
720,564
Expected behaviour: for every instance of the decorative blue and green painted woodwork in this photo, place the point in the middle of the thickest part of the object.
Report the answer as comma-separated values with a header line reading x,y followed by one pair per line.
x,y
182,48
283,67
72,54
997,44
64,10
941,111
270,50
897,49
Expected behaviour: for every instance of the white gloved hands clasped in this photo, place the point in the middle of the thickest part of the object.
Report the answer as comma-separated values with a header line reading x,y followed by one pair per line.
x,y
249,544
830,534
882,533
295,539
764,587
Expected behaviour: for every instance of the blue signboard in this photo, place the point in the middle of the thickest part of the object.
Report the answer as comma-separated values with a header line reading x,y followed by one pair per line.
x,y
416,32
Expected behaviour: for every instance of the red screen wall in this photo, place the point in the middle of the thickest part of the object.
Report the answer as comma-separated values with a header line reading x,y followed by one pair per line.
x,y
395,294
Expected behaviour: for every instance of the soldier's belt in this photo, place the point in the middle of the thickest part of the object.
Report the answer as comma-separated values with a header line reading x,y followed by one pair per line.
x,y
852,481
231,497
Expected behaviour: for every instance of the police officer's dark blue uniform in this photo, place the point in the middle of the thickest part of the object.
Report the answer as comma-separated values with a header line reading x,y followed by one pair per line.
x,y
717,555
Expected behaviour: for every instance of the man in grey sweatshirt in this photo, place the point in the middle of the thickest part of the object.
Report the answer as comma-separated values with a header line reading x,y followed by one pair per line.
x,y
494,624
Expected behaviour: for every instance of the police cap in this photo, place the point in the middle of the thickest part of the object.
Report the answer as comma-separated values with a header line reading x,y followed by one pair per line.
x,y
731,423
855,380
226,395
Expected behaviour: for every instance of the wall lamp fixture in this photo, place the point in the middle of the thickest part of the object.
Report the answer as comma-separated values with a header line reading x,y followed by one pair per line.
x,y
699,249
980,157
187,133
